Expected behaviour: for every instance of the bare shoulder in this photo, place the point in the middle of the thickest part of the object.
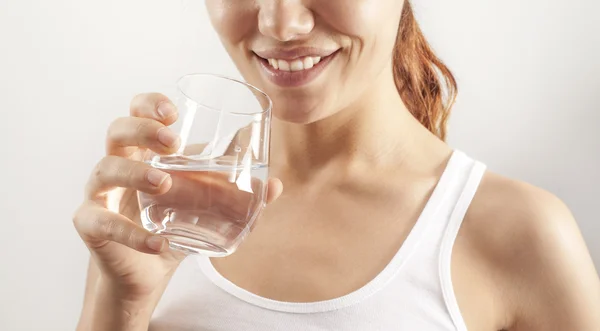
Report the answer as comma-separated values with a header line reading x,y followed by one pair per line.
x,y
526,245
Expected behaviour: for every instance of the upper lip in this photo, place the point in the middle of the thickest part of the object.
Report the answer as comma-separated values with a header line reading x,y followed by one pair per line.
x,y
293,53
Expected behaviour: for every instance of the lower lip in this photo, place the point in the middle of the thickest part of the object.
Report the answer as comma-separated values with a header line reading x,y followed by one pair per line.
x,y
294,78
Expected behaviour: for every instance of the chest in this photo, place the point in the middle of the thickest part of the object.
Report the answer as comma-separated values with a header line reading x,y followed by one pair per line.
x,y
313,248
307,274
351,259
198,298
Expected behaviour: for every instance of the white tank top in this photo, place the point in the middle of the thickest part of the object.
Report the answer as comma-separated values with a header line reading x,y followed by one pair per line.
x,y
413,292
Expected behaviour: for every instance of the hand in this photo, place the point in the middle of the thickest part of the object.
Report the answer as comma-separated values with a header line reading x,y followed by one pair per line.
x,y
130,258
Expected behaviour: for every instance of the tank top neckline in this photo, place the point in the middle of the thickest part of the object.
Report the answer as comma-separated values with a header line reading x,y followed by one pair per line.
x,y
432,206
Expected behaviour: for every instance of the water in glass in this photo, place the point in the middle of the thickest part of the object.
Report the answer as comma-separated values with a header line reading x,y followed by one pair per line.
x,y
211,205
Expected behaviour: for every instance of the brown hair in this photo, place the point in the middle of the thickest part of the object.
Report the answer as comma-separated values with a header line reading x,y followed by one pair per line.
x,y
426,85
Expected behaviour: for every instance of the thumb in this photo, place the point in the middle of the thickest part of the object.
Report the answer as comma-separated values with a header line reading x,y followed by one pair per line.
x,y
274,189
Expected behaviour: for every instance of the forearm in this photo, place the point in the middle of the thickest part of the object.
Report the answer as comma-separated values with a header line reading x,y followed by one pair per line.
x,y
109,311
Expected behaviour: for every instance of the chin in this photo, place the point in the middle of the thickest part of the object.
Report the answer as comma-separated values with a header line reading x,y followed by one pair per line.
x,y
296,118
298,110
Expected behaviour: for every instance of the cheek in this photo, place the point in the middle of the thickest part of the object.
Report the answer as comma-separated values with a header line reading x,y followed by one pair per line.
x,y
360,18
233,20
371,27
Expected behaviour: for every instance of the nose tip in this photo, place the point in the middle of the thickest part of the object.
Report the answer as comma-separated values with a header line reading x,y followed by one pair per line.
x,y
285,21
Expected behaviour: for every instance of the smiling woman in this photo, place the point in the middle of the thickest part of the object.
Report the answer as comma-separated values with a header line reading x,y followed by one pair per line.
x,y
382,225
354,42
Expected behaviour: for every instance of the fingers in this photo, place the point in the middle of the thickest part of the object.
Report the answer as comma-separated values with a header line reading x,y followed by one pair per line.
x,y
99,227
114,171
154,106
127,132
274,189
146,128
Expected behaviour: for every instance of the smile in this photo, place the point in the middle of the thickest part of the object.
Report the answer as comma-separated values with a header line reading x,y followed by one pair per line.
x,y
304,63
294,69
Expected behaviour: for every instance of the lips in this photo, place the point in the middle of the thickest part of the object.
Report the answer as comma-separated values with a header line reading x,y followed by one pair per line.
x,y
294,68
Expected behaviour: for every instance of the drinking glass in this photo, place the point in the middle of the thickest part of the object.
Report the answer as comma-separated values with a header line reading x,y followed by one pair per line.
x,y
219,174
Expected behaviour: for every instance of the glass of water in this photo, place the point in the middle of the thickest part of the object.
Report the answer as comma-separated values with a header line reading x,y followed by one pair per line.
x,y
219,173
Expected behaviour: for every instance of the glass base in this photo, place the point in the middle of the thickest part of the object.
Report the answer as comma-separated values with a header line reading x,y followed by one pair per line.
x,y
189,245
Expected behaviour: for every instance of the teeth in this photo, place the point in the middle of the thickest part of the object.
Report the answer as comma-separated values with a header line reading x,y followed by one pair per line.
x,y
308,62
295,65
283,65
274,63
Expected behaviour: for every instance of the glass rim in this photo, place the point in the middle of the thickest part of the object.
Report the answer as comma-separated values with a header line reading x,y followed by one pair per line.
x,y
231,79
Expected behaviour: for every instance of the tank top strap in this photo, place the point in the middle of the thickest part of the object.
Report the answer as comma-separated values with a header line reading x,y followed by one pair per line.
x,y
473,178
429,265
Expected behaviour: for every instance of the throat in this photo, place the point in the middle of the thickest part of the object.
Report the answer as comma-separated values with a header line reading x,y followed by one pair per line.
x,y
344,141
376,128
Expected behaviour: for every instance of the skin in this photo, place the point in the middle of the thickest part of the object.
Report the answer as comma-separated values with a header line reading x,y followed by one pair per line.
x,y
345,145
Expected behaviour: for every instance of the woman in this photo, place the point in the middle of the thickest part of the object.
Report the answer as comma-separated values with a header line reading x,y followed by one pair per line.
x,y
382,226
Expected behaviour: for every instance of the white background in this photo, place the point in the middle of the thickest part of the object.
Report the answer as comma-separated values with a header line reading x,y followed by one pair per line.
x,y
529,75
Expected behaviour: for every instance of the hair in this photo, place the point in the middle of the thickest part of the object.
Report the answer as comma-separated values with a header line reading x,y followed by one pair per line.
x,y
426,85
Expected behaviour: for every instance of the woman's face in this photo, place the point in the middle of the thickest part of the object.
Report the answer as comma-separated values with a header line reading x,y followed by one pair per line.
x,y
312,57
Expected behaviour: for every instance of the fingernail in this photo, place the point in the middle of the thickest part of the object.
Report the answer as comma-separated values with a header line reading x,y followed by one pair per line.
x,y
166,110
156,243
156,177
167,138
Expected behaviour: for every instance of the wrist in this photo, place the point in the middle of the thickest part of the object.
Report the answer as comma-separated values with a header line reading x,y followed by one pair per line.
x,y
132,295
115,309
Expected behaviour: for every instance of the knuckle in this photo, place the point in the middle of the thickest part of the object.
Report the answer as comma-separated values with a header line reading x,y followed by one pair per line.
x,y
130,238
119,231
129,172
158,98
145,104
143,130
104,228
136,102
102,175
125,170
104,168
99,225
78,216
113,132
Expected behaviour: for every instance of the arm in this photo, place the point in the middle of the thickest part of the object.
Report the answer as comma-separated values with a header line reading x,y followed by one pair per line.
x,y
105,309
558,287
88,297
532,257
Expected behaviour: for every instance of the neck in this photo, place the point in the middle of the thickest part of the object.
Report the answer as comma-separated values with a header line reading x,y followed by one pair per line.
x,y
377,128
